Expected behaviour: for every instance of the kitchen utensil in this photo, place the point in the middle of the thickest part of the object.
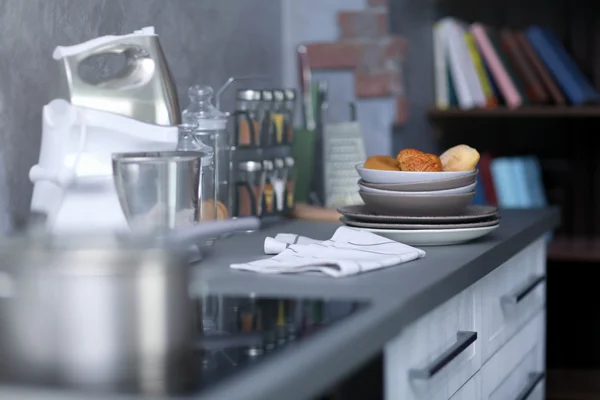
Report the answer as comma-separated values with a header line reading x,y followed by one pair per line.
x,y
74,172
160,190
434,237
305,83
384,225
461,189
108,312
143,89
398,177
303,152
424,186
416,205
470,214
319,91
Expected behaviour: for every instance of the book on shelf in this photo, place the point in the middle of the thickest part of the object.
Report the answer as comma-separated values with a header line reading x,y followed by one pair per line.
x,y
511,182
478,66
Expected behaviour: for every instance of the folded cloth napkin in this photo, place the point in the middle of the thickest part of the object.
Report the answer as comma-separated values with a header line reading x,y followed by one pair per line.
x,y
349,252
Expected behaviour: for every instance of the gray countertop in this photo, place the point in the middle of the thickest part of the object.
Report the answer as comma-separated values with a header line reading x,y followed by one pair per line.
x,y
397,296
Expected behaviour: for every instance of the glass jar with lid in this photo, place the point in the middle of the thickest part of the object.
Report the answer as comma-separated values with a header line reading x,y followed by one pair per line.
x,y
290,107
278,116
265,117
249,189
247,118
211,130
207,203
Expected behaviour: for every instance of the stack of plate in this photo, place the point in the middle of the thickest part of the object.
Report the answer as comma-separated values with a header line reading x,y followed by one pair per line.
x,y
420,208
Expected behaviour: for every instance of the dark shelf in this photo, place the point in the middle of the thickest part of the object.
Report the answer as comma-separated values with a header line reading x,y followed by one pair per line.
x,y
523,112
582,249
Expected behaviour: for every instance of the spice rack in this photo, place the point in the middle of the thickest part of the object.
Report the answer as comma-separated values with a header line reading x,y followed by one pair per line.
x,y
261,164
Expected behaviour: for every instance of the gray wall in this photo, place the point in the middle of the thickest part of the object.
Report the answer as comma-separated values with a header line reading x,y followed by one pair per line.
x,y
204,40
308,21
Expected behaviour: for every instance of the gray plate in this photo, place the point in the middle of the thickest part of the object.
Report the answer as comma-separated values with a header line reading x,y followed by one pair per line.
x,y
471,214
417,204
442,184
381,225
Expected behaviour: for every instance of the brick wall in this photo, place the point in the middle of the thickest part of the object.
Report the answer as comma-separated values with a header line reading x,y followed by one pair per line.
x,y
366,46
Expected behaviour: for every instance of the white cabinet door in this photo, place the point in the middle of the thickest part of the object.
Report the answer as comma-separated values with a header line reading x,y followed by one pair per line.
x,y
516,372
433,357
511,295
471,390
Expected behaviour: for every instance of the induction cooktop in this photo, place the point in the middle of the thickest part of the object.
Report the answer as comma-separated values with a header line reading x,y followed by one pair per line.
x,y
241,332
236,333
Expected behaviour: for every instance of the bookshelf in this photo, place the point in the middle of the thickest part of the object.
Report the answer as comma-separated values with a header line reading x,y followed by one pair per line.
x,y
523,112
564,140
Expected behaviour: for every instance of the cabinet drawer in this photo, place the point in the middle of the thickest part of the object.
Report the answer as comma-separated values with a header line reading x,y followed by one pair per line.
x,y
433,357
517,371
471,390
511,295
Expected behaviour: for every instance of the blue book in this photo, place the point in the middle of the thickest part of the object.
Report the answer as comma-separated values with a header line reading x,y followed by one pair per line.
x,y
503,175
479,192
522,189
561,66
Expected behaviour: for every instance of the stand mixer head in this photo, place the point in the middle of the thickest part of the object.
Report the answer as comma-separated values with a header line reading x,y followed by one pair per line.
x,y
144,89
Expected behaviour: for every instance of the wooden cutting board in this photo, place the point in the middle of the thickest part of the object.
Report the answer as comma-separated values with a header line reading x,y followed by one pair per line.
x,y
313,213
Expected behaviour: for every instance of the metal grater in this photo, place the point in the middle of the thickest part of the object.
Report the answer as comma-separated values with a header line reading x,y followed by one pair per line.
x,y
343,148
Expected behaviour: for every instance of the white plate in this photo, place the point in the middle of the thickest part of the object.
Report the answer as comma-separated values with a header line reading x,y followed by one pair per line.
x,y
462,189
433,237
394,177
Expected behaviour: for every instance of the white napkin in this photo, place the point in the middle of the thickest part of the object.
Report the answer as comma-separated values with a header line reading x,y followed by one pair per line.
x,y
349,252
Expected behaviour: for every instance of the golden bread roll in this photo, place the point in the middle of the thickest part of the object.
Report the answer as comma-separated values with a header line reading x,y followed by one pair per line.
x,y
459,158
385,163
207,211
416,161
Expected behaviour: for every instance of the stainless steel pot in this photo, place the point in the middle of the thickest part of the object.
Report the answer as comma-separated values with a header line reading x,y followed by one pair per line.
x,y
110,313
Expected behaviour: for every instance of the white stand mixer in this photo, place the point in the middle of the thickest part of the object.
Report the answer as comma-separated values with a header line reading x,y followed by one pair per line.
x,y
135,111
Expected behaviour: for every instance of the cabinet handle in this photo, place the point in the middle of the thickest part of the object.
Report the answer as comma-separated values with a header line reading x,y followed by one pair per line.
x,y
463,340
534,379
522,292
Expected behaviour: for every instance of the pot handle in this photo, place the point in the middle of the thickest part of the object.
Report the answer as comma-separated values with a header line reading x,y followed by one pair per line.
x,y
191,235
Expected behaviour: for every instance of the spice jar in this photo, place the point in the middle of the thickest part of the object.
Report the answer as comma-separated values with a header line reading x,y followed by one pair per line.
x,y
269,190
290,107
290,177
266,120
278,116
211,130
247,118
249,189
207,204
279,184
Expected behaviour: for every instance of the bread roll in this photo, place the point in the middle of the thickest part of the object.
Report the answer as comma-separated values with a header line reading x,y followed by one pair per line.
x,y
459,158
416,161
384,163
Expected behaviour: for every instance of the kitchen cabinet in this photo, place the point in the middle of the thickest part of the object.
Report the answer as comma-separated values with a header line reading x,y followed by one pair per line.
x,y
487,342
437,354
